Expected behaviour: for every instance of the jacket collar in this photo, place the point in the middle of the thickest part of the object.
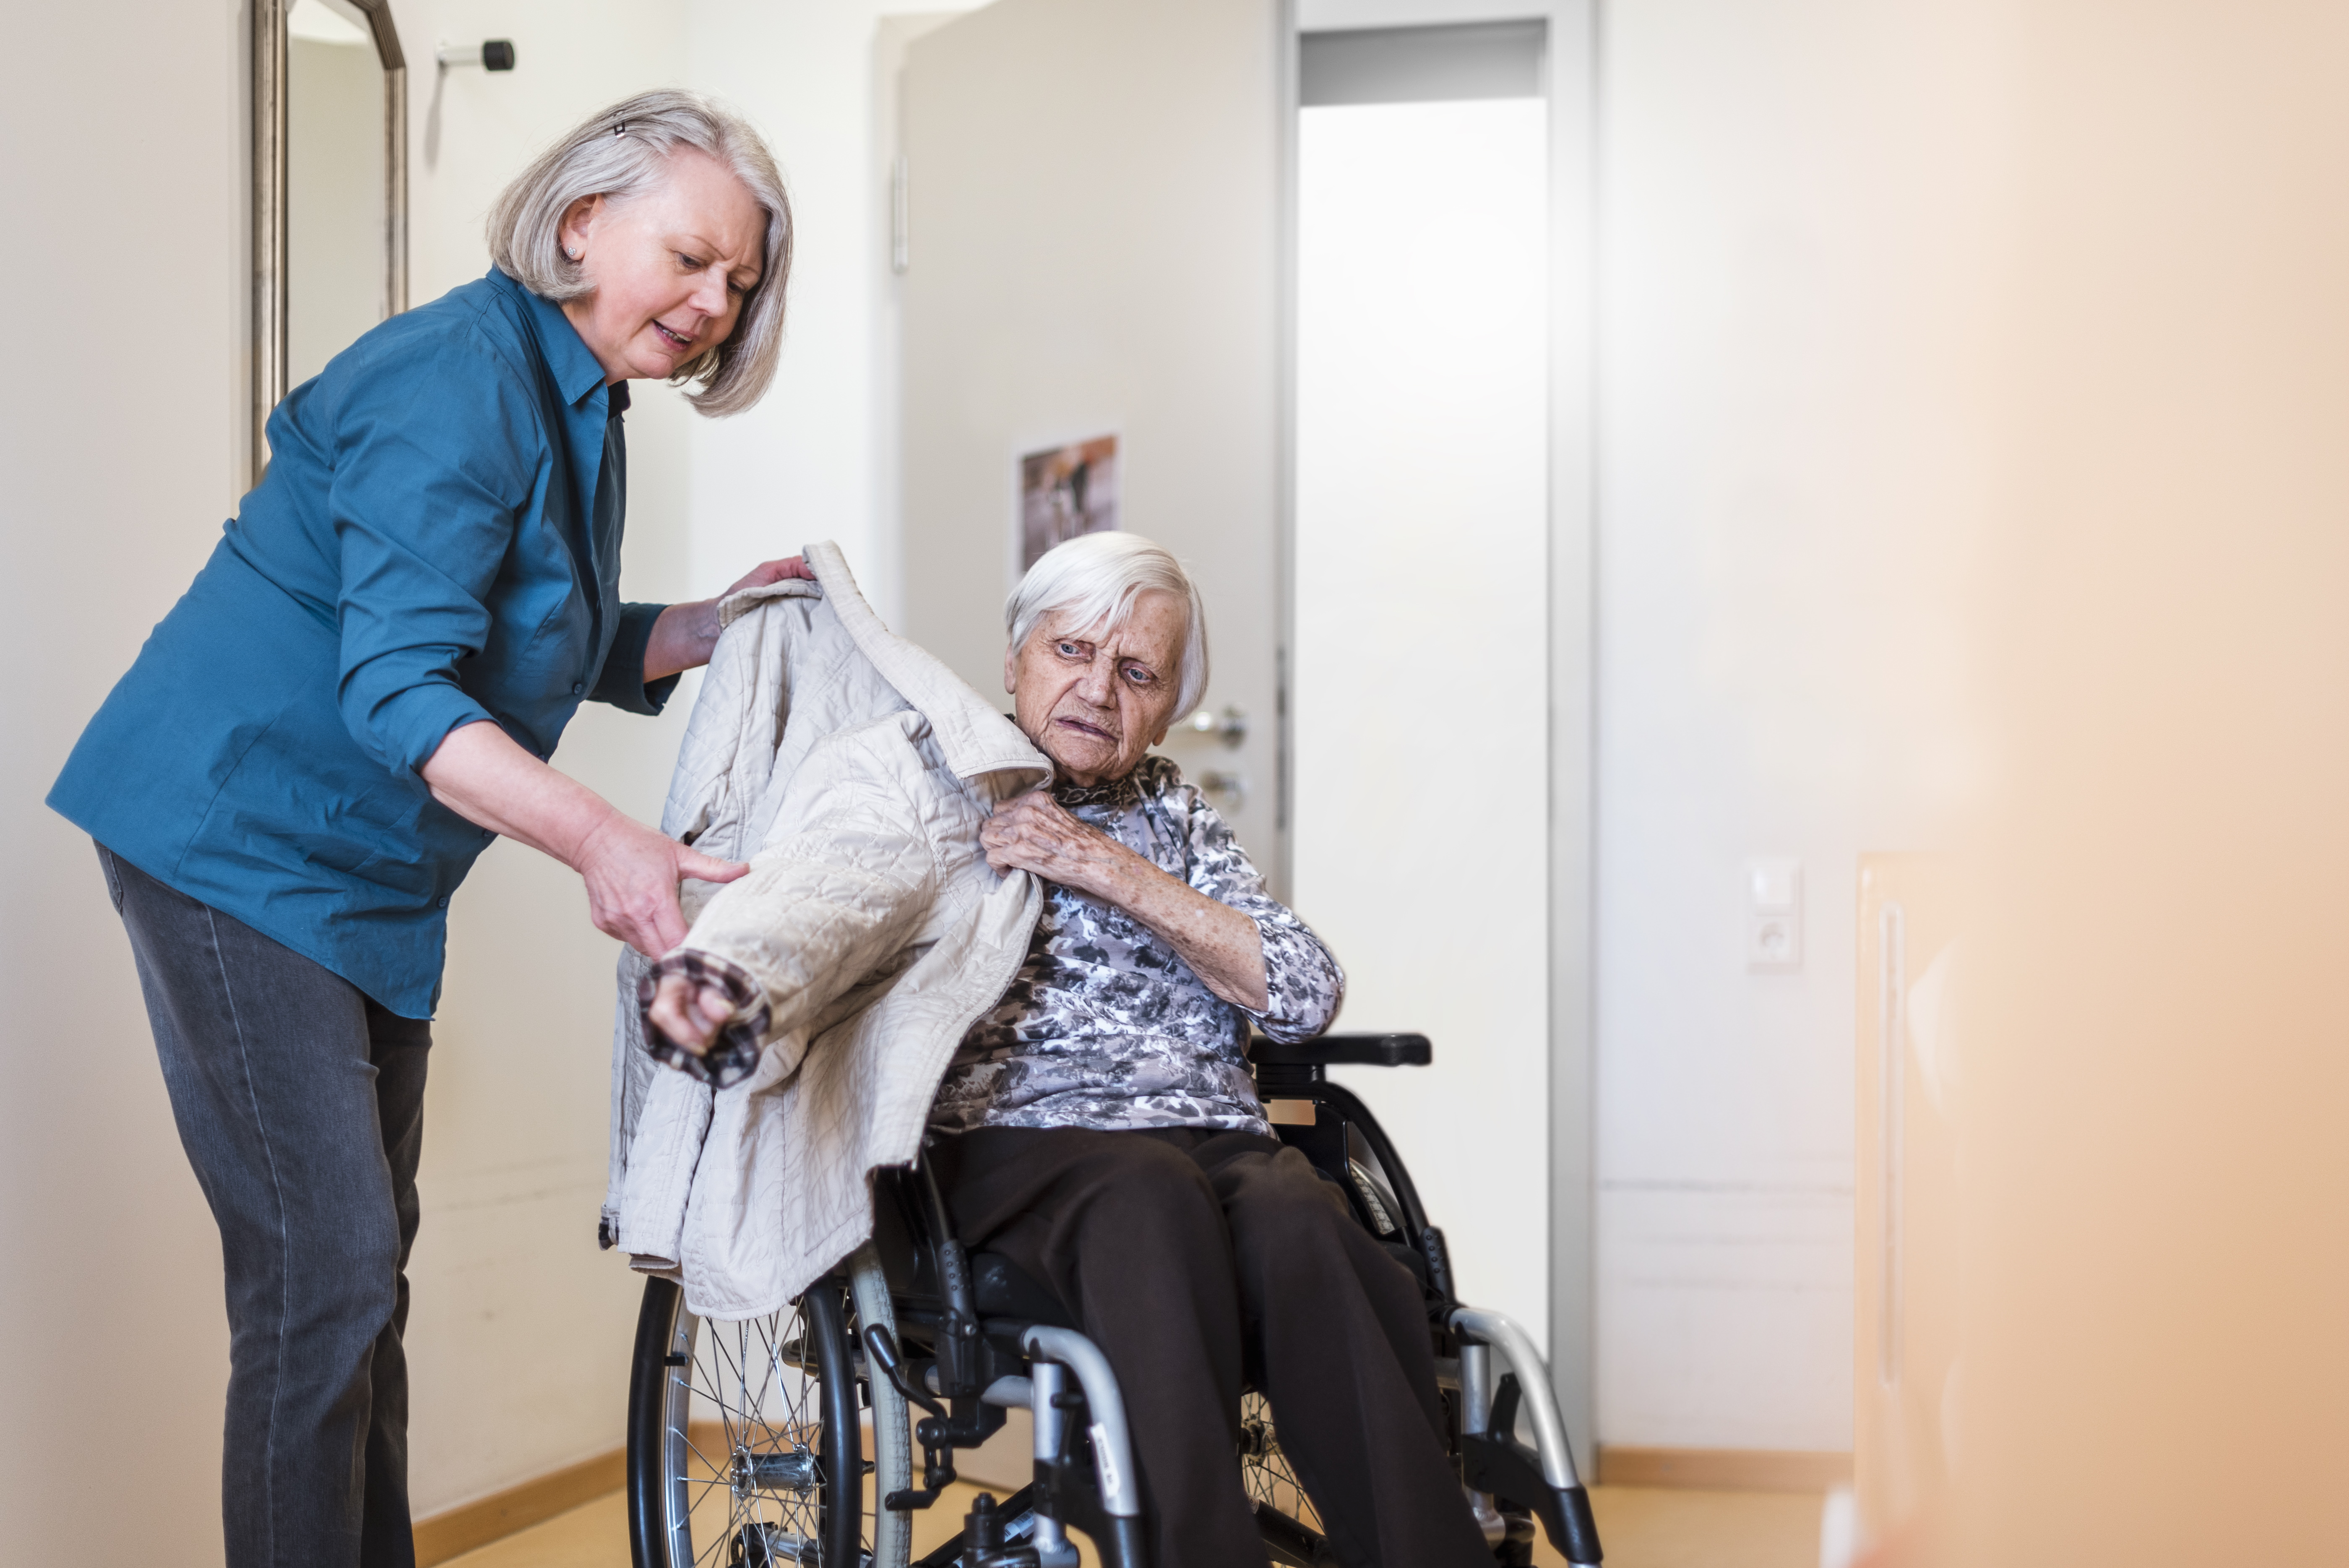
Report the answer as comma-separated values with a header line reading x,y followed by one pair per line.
x,y
976,738
575,370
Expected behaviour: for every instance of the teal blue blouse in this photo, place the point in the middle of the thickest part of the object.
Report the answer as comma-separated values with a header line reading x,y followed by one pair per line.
x,y
436,542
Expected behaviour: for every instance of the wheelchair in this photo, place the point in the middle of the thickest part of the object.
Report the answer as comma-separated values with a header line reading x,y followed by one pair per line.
x,y
791,1438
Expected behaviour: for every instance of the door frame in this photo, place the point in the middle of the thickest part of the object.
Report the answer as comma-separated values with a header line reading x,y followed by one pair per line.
x,y
1573,102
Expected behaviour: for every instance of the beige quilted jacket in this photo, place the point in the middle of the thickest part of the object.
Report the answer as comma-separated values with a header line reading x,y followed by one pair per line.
x,y
852,771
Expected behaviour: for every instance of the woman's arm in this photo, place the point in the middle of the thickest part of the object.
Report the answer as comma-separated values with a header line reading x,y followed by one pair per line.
x,y
684,635
631,871
1223,946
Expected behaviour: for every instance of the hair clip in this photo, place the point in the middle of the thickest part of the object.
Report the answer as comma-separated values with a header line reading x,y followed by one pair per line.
x,y
620,128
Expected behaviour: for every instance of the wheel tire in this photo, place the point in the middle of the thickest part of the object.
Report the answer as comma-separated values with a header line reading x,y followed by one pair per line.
x,y
757,1424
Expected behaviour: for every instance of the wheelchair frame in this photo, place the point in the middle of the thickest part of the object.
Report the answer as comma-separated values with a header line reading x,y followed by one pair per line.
x,y
963,1349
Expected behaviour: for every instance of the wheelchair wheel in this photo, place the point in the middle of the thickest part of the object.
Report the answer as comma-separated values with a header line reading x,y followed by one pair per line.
x,y
750,1443
1284,1514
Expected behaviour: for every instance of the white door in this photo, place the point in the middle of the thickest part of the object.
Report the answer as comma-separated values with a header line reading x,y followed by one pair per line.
x,y
1091,199
1421,836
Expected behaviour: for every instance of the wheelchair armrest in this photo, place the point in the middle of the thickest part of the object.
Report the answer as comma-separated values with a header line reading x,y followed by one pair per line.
x,y
1344,1051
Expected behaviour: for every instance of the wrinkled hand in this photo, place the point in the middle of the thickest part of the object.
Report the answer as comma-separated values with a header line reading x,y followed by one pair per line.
x,y
632,873
688,1015
1033,832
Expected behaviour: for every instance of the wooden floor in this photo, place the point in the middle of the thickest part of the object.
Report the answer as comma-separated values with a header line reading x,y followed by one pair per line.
x,y
1640,1528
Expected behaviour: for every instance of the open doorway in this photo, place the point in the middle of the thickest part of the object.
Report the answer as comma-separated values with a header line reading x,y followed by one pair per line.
x,y
1421,736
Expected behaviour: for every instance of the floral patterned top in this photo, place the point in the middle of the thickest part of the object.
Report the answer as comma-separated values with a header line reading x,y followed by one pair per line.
x,y
1105,1026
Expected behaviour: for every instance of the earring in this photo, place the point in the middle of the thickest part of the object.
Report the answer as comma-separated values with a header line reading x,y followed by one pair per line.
x,y
569,254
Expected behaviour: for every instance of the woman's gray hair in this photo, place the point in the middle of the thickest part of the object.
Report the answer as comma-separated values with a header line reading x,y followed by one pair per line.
x,y
624,152
1095,578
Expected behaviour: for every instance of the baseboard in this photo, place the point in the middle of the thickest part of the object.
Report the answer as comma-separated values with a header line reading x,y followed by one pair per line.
x,y
1723,1469
457,1530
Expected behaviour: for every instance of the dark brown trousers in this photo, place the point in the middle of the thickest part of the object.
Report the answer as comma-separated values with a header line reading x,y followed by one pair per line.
x,y
1194,1259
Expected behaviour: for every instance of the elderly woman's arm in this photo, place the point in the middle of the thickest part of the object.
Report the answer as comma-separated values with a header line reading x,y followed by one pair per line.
x,y
1221,944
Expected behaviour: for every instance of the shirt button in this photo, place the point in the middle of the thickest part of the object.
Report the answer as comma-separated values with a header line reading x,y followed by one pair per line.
x,y
442,900
577,687
487,835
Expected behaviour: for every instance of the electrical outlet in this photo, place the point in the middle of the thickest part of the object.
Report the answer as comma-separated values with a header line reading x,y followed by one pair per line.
x,y
1774,914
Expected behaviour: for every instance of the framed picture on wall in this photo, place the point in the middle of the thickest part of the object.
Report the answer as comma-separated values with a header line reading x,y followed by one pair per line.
x,y
1065,491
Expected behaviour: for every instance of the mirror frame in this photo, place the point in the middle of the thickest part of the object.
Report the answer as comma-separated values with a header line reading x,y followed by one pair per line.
x,y
270,366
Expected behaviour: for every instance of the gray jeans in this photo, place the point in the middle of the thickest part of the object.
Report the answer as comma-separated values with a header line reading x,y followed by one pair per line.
x,y
301,1105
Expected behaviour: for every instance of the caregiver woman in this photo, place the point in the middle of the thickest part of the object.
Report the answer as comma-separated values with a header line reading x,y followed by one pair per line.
x,y
358,693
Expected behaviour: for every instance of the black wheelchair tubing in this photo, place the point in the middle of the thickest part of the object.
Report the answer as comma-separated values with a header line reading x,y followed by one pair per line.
x,y
1344,1051
843,1472
647,1398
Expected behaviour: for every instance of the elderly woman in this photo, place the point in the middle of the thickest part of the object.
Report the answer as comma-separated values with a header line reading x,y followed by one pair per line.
x,y
356,694
1099,1126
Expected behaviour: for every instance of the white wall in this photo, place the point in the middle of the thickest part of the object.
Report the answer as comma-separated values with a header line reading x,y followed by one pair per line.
x,y
817,459
1784,185
119,456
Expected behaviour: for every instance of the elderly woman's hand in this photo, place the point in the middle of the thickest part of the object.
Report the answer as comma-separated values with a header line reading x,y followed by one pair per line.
x,y
1032,832
690,1014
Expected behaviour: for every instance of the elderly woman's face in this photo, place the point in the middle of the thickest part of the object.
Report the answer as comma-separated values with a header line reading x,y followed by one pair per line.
x,y
1095,700
670,268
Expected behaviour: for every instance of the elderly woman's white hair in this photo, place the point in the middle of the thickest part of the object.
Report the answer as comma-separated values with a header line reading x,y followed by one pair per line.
x,y
1094,578
624,152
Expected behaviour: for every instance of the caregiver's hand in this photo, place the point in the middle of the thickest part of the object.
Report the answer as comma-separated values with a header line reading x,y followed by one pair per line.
x,y
631,871
684,635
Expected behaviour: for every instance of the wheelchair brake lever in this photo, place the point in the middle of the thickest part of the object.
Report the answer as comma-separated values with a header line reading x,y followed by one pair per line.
x,y
882,1346
937,1463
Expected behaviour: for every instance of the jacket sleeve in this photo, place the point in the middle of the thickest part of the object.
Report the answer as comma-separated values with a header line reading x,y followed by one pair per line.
x,y
843,884
622,682
437,450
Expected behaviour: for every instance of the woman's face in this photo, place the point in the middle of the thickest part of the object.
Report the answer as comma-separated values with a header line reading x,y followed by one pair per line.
x,y
669,268
1095,700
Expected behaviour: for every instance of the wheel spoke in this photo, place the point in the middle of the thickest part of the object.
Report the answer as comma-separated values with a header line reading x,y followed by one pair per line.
x,y
760,1384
